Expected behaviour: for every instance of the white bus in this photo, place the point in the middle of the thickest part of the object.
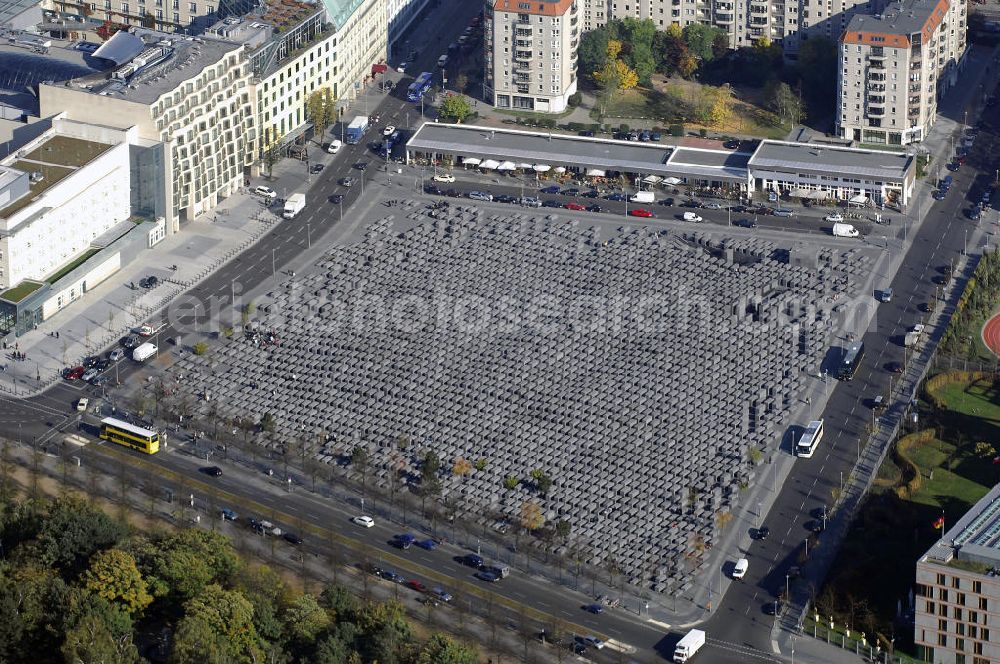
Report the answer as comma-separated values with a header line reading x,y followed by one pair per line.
x,y
810,439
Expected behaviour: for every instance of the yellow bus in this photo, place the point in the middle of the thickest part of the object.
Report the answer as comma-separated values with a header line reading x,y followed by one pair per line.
x,y
130,435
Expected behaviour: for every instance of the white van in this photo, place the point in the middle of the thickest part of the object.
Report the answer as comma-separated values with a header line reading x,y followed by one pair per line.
x,y
643,197
334,146
691,216
845,230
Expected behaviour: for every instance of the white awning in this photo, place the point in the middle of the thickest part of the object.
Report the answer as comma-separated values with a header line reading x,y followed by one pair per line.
x,y
489,164
672,181
652,179
472,161
560,169
595,173
524,165
506,166
541,168
860,199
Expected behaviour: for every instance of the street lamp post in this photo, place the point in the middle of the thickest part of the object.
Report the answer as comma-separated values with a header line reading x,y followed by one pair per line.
x,y
309,243
274,272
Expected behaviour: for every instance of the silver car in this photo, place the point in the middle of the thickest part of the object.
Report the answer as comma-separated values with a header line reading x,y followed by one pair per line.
x,y
481,196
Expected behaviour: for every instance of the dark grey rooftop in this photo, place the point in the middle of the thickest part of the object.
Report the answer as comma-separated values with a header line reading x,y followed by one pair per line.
x,y
188,56
576,151
11,9
899,18
700,161
975,536
813,158
21,68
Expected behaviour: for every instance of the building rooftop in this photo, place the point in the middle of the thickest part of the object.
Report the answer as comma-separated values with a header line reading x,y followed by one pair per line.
x,y
900,20
22,68
167,61
975,537
53,160
579,151
11,9
813,158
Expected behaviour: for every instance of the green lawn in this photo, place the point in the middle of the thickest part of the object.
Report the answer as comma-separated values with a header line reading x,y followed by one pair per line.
x,y
66,269
954,478
21,291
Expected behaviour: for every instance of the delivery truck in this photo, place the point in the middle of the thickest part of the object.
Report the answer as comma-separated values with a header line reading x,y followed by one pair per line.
x,y
294,205
845,230
913,335
356,129
144,351
689,645
643,197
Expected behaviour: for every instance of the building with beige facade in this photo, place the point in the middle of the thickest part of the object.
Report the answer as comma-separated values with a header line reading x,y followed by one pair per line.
x,y
192,102
531,53
745,21
957,595
893,68
164,15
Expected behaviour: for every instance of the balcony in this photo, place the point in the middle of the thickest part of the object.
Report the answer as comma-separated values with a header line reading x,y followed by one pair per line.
x,y
524,56
876,64
915,101
875,111
521,33
724,18
876,87
523,43
877,77
878,100
913,113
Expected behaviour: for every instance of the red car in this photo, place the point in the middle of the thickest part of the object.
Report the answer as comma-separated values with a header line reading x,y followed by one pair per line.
x,y
74,374
640,213
574,206
416,585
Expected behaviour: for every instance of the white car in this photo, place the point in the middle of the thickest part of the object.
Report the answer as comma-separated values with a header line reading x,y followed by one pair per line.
x,y
835,217
712,206
334,146
691,216
741,568
402,67
389,130
444,177
81,405
593,641
365,521
116,354
266,192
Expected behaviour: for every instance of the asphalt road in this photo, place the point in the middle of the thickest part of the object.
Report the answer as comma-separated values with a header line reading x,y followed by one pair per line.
x,y
739,631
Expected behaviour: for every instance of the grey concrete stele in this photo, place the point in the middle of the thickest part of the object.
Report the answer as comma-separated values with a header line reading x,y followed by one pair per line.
x,y
644,422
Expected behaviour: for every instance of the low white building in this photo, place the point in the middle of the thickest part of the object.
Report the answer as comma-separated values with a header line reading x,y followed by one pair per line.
x,y
57,194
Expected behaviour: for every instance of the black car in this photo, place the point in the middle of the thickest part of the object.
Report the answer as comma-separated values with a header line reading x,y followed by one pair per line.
x,y
594,207
617,197
974,214
924,307
91,361
504,198
587,132
131,341
745,223
361,165
939,195
731,145
593,193
572,191
894,367
433,189
213,471
667,202
453,193
337,199
149,282
472,560
953,166
292,538
316,168
551,203
774,608
489,577
761,533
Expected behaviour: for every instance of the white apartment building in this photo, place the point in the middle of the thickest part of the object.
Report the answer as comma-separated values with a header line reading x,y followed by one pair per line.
x,y
744,21
957,595
58,193
362,39
893,68
531,53
192,103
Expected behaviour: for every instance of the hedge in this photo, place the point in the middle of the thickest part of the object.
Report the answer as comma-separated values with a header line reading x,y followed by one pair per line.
x,y
911,479
934,384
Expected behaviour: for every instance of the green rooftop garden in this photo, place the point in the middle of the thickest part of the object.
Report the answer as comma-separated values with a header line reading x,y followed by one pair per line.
x,y
21,291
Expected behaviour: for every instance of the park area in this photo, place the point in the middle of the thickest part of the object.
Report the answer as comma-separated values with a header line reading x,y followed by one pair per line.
x,y
943,467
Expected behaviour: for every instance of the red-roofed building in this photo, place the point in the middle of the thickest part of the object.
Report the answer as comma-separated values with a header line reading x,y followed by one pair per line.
x,y
895,65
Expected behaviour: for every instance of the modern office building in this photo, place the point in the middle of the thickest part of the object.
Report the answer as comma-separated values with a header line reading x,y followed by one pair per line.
x,y
531,53
191,100
893,68
957,596
400,15
57,193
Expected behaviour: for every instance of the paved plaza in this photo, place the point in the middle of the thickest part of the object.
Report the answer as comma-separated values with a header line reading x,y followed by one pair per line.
x,y
636,365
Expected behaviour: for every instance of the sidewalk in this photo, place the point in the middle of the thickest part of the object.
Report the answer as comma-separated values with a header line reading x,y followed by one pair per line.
x,y
110,310
938,144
